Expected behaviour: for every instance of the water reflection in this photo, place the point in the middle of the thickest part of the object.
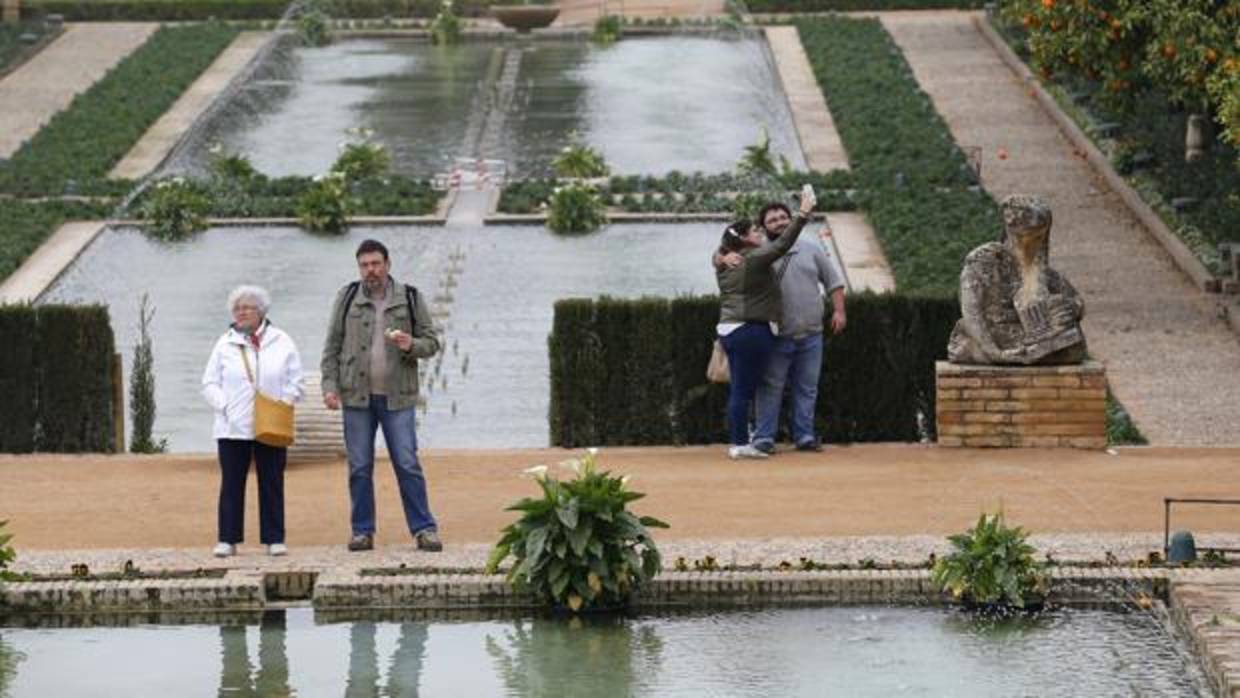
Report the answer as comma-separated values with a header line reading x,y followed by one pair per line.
x,y
405,672
9,659
237,675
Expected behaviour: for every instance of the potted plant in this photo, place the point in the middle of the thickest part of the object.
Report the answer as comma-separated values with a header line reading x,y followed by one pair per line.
x,y
526,16
577,546
992,568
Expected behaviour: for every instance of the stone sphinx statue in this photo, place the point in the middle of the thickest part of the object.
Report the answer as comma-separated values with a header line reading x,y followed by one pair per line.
x,y
1016,309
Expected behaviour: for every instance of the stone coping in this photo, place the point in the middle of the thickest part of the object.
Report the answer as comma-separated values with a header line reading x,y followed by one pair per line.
x,y
1090,367
1180,253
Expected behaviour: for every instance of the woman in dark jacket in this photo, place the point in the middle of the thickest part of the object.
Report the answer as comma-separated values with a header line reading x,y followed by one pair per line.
x,y
749,303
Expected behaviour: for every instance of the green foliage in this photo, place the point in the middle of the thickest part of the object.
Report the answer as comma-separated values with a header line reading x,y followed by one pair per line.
x,y
607,30
578,160
231,167
79,145
7,556
142,387
575,209
632,372
857,5
25,225
1121,431
313,29
991,563
198,10
18,380
446,28
918,190
13,49
360,158
758,158
325,207
176,209
577,546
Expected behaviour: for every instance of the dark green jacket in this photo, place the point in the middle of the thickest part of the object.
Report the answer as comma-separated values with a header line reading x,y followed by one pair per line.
x,y
346,351
749,292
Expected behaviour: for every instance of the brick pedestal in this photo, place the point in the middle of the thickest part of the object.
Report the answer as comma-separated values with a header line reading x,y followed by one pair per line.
x,y
1021,406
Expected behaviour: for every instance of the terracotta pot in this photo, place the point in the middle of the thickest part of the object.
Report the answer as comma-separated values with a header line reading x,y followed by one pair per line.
x,y
523,18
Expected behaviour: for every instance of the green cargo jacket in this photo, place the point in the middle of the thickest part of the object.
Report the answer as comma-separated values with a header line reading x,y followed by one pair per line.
x,y
346,351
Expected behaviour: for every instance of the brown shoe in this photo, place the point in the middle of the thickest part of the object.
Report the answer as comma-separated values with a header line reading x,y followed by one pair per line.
x,y
361,541
428,540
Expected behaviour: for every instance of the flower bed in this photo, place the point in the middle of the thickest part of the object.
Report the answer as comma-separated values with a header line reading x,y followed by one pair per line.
x,y
261,197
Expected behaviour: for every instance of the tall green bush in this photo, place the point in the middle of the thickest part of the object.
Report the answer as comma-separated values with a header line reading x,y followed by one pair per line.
x,y
142,386
18,368
633,371
74,348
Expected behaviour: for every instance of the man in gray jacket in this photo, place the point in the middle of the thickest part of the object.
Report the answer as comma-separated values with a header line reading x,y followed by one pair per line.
x,y
379,329
804,274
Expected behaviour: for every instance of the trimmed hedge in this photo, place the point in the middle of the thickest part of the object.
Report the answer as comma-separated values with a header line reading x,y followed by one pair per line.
x,y
74,152
261,197
25,225
920,195
188,10
632,372
58,382
788,6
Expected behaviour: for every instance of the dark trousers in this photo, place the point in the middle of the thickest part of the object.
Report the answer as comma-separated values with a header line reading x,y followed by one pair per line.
x,y
235,457
748,348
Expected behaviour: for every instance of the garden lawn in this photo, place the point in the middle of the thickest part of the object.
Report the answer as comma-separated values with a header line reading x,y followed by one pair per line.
x,y
25,225
75,150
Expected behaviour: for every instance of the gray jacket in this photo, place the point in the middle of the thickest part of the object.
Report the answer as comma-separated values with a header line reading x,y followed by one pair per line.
x,y
800,271
346,351
748,292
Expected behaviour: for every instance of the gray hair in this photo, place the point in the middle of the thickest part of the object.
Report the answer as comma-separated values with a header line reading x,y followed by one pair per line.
x,y
257,294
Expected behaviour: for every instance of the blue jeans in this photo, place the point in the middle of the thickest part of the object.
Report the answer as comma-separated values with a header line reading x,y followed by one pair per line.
x,y
402,441
748,348
796,363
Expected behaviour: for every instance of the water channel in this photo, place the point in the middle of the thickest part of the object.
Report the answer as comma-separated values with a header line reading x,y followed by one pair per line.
x,y
845,651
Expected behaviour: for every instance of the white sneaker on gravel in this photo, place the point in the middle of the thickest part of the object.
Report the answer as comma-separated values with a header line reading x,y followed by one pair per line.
x,y
277,550
746,451
224,550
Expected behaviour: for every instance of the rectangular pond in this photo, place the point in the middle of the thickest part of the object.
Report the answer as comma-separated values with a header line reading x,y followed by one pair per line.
x,y
845,651
650,104
493,289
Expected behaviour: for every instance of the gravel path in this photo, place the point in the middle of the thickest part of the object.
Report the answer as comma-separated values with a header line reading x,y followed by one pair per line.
x,y
47,83
1170,359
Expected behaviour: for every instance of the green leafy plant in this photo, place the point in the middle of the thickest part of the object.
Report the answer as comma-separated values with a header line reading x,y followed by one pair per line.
x,y
361,158
578,160
312,27
607,30
7,554
758,158
142,386
231,167
991,563
325,207
577,546
446,27
176,209
576,208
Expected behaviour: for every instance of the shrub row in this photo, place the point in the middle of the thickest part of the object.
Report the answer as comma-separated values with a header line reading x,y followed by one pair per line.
x,y
75,150
57,381
632,372
187,10
261,197
857,5
919,192
25,225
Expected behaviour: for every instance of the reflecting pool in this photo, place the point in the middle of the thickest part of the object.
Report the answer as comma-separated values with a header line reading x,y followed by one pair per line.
x,y
493,290
650,104
845,651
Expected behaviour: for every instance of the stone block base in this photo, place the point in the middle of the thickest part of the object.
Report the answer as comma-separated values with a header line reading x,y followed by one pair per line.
x,y
1021,406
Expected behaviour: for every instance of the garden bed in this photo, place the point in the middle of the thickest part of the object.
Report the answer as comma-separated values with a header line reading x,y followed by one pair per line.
x,y
14,50
27,224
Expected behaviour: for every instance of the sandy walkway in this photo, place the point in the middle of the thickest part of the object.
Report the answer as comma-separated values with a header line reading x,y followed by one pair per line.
x,y
47,83
1169,357
58,502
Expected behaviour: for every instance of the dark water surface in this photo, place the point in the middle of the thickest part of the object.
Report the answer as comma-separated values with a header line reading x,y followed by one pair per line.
x,y
849,651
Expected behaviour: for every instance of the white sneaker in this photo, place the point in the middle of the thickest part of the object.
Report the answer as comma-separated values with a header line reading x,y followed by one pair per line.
x,y
746,451
224,550
277,549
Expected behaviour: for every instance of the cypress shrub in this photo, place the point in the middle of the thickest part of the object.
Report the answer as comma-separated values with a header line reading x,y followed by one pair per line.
x,y
74,356
630,372
18,376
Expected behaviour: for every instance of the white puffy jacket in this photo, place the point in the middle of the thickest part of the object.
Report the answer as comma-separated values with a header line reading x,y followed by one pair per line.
x,y
227,388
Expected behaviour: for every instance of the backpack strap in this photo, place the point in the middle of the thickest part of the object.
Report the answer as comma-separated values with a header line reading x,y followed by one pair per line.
x,y
349,294
411,299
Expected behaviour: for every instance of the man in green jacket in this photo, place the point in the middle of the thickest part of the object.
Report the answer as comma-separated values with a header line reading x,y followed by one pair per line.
x,y
379,329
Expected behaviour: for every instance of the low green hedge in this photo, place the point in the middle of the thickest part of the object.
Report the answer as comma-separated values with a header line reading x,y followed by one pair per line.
x,y
788,6
57,382
75,151
261,197
632,372
25,225
188,10
914,183
12,48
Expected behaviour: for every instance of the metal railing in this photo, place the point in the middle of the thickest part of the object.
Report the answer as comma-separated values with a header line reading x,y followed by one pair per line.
x,y
1168,501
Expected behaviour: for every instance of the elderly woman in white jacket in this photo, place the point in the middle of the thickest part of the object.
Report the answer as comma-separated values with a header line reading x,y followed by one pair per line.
x,y
228,387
